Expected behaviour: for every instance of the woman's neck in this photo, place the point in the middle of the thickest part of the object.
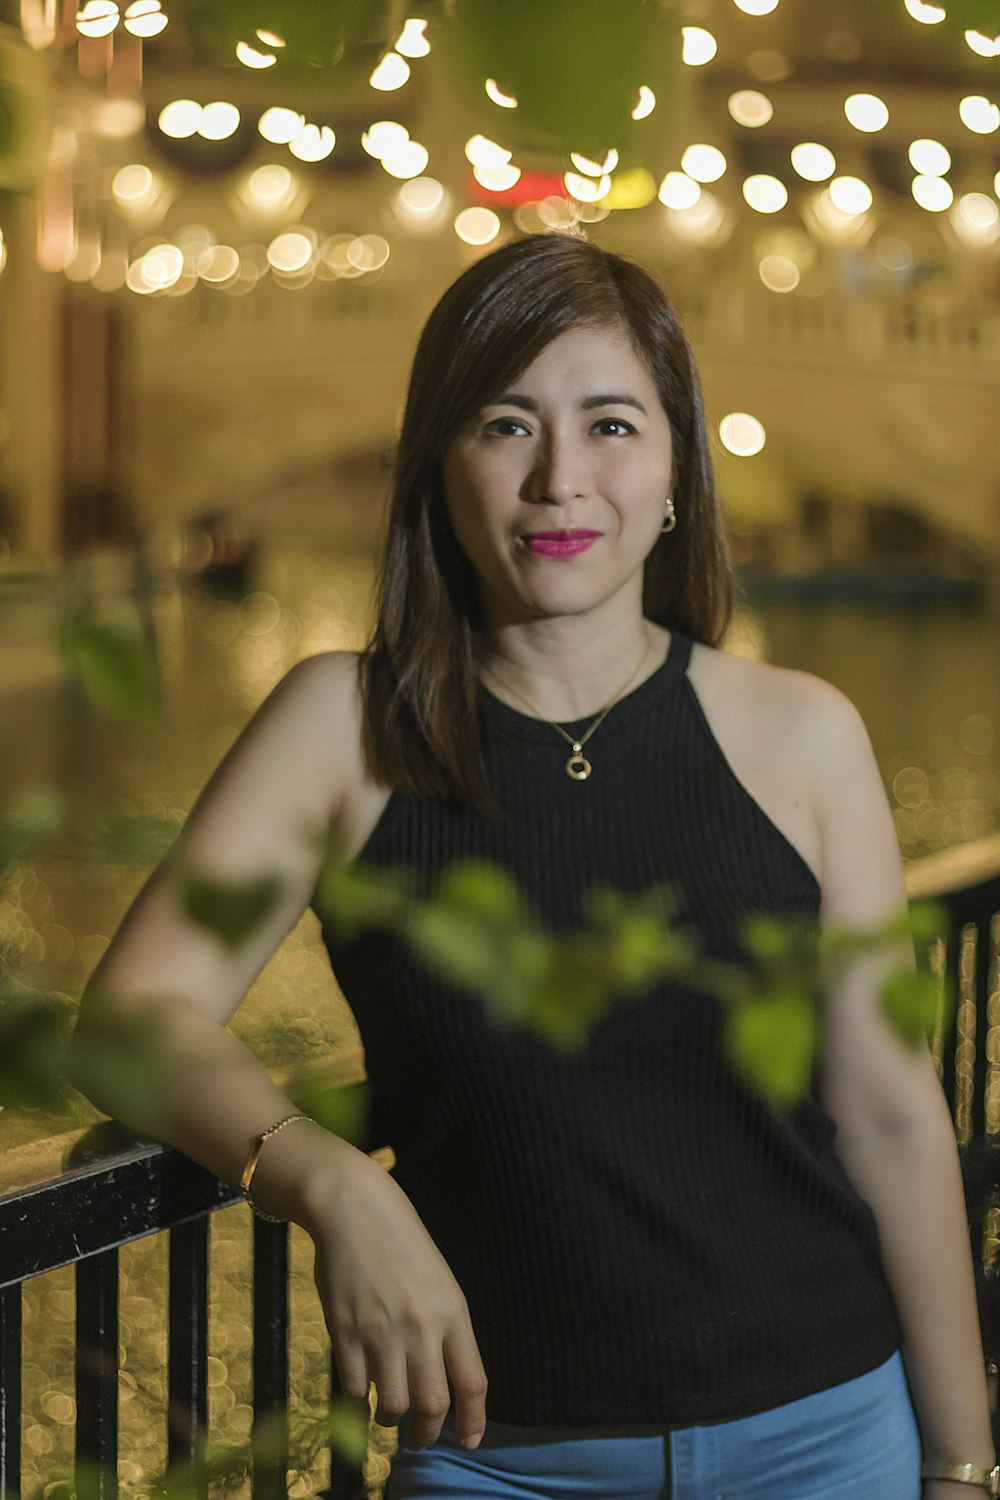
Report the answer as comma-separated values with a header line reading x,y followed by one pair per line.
x,y
565,682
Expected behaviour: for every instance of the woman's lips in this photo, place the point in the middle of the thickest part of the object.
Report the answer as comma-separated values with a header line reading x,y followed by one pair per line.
x,y
559,547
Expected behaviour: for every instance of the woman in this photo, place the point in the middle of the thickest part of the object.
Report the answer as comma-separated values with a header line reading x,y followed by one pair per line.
x,y
626,1274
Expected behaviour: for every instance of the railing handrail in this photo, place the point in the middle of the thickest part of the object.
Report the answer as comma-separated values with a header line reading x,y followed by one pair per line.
x,y
140,1187
950,871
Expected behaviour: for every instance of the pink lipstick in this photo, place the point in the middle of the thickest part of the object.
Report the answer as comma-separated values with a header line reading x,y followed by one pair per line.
x,y
560,543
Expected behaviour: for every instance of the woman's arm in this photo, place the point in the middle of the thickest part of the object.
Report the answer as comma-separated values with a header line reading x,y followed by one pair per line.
x,y
161,995
395,1312
895,1136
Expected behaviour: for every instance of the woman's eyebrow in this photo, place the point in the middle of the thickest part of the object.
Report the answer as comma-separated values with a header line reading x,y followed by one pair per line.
x,y
614,398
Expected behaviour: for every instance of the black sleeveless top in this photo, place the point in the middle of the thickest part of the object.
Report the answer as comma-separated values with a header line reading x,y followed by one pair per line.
x,y
640,1236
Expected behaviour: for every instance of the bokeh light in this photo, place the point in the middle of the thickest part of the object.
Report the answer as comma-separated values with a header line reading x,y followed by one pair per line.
x,y
867,112
742,434
750,108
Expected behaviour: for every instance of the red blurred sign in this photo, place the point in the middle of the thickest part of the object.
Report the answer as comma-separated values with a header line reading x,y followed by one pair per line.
x,y
530,187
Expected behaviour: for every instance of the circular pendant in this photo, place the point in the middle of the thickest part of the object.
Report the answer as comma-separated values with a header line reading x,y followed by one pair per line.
x,y
578,766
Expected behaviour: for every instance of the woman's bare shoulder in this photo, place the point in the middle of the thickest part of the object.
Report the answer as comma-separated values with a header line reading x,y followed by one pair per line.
x,y
767,691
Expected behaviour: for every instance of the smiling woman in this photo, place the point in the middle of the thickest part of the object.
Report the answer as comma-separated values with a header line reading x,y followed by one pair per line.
x,y
552,389
563,479
624,1273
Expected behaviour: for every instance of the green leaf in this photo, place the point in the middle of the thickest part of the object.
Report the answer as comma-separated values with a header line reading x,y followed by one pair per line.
x,y
771,1040
339,1107
768,938
480,887
458,944
350,899
910,1003
117,662
34,1027
574,66
928,921
347,1427
28,824
230,910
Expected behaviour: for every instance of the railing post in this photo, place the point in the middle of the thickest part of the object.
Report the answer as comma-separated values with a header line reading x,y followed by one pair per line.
x,y
347,1480
97,1376
187,1377
10,1391
270,1358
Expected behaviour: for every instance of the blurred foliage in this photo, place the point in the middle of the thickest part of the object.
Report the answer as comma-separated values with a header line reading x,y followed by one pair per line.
x,y
475,927
27,827
231,910
115,659
315,36
476,930
575,68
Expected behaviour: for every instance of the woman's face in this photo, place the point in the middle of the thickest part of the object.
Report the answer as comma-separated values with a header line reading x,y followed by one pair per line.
x,y
579,442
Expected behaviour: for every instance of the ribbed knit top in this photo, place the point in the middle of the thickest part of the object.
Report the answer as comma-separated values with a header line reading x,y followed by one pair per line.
x,y
641,1237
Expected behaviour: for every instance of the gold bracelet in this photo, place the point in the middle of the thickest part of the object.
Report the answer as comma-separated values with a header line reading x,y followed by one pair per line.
x,y
251,1166
977,1474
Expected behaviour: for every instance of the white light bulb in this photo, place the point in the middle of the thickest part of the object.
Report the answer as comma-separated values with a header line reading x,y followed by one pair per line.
x,y
703,163
742,434
412,42
391,73
700,46
765,193
866,112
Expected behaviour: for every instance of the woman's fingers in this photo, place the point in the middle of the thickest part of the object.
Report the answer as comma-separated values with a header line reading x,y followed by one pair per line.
x,y
468,1380
352,1368
391,1385
430,1398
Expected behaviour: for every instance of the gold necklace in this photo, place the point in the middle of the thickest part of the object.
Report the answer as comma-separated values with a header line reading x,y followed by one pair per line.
x,y
578,767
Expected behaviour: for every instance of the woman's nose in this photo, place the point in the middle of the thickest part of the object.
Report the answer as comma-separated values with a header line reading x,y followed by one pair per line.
x,y
559,472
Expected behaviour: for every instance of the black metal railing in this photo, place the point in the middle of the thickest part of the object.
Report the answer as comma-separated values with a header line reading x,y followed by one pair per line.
x,y
81,1218
966,881
123,1192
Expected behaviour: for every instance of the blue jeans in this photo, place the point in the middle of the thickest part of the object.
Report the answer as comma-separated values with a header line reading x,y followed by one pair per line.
x,y
857,1439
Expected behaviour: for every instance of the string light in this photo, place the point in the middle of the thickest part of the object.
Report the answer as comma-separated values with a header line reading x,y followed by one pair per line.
x,y
97,18
253,57
813,162
983,46
494,92
979,114
678,190
477,226
703,163
313,143
765,193
645,104
145,18
700,46
933,193
742,434
279,125
483,152
750,108
927,15
384,137
866,112
412,42
391,73
929,157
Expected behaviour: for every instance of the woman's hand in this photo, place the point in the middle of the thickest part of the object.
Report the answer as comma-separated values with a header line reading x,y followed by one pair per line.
x,y
395,1312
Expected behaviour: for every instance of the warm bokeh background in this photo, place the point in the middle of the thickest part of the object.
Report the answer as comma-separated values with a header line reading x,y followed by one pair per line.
x,y
214,271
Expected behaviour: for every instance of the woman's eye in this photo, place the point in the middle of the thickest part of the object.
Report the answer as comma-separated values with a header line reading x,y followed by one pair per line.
x,y
500,422
626,427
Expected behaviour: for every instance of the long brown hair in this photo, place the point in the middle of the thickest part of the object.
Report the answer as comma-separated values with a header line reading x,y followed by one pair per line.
x,y
419,670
